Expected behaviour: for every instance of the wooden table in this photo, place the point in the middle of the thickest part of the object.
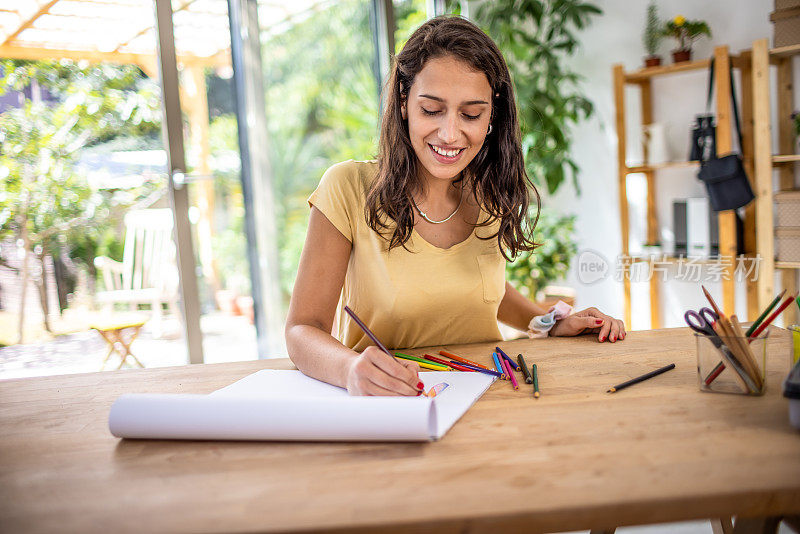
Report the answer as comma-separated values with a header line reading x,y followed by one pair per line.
x,y
576,458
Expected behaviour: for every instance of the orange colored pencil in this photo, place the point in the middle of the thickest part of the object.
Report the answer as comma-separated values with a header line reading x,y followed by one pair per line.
x,y
463,360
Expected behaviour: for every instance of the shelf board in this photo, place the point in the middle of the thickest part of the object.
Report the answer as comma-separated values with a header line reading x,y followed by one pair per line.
x,y
673,259
646,73
660,166
785,51
788,158
787,264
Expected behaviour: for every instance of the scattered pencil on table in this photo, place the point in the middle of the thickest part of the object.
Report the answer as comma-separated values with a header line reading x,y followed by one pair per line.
x,y
460,359
510,372
512,363
481,370
440,361
422,363
535,381
500,368
642,378
528,377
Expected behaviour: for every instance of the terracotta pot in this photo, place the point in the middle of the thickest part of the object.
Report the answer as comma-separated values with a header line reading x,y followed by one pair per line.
x,y
652,61
245,304
226,302
679,56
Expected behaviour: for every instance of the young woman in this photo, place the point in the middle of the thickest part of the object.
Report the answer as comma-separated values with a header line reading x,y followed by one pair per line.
x,y
416,243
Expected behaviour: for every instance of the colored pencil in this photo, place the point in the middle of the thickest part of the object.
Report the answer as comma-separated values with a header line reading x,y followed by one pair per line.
x,y
528,377
422,363
761,317
642,378
772,317
535,381
484,371
438,361
460,359
711,301
512,363
500,368
367,331
455,366
510,372
750,364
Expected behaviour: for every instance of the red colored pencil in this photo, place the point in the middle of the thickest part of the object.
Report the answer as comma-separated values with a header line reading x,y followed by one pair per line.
x,y
460,359
510,372
445,362
772,317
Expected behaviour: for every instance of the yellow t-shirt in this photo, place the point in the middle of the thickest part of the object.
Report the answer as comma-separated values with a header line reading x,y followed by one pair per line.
x,y
418,297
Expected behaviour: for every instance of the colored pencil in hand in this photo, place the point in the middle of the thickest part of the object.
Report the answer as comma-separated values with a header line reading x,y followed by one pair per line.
x,y
642,378
528,377
512,363
367,331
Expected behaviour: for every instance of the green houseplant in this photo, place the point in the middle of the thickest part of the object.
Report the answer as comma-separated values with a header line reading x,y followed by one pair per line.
x,y
550,262
652,36
686,32
536,38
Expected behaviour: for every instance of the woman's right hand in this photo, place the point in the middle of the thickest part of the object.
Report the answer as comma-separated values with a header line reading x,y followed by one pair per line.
x,y
373,372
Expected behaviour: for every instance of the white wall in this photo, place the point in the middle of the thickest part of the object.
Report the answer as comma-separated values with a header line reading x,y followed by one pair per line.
x,y
615,37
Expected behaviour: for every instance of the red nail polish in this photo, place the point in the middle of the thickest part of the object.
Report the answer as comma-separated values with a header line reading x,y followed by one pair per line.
x,y
613,339
419,393
602,338
420,385
598,321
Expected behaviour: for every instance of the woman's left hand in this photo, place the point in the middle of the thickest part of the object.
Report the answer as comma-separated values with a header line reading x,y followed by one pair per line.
x,y
590,320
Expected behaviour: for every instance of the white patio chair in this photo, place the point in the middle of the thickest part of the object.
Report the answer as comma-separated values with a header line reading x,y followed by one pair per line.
x,y
147,273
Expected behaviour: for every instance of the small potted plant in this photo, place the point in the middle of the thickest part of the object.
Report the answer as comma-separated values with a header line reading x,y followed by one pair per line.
x,y
685,32
652,36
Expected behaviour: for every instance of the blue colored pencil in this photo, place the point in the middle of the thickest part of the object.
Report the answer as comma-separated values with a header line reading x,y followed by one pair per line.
x,y
474,368
514,365
499,367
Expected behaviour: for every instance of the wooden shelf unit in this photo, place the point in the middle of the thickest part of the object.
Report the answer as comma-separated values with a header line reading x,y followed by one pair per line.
x,y
764,162
727,224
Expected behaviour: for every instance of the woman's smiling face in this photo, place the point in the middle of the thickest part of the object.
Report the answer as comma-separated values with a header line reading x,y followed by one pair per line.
x,y
448,112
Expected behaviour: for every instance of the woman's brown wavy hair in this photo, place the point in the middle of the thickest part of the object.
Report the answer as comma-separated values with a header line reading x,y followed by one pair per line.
x,y
496,175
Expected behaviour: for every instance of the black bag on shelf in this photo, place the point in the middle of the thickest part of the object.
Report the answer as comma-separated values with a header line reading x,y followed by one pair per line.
x,y
725,178
704,138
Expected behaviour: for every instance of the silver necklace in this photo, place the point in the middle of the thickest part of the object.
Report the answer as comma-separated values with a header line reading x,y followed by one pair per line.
x,y
424,216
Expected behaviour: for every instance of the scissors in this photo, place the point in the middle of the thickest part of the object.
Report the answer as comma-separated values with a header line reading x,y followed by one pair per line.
x,y
702,322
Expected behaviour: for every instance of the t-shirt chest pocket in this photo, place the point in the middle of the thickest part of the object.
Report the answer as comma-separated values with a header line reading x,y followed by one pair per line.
x,y
492,268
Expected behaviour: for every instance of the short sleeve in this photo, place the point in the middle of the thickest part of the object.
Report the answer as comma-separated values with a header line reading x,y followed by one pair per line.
x,y
337,197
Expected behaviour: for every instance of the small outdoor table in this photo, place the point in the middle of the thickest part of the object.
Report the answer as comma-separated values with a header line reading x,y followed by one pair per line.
x,y
120,335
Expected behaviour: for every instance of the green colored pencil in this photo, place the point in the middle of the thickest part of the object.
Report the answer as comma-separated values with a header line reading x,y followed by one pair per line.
x,y
764,314
535,381
427,364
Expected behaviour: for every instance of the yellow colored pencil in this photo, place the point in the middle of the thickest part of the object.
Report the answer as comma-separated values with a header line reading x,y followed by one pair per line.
x,y
433,366
425,365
